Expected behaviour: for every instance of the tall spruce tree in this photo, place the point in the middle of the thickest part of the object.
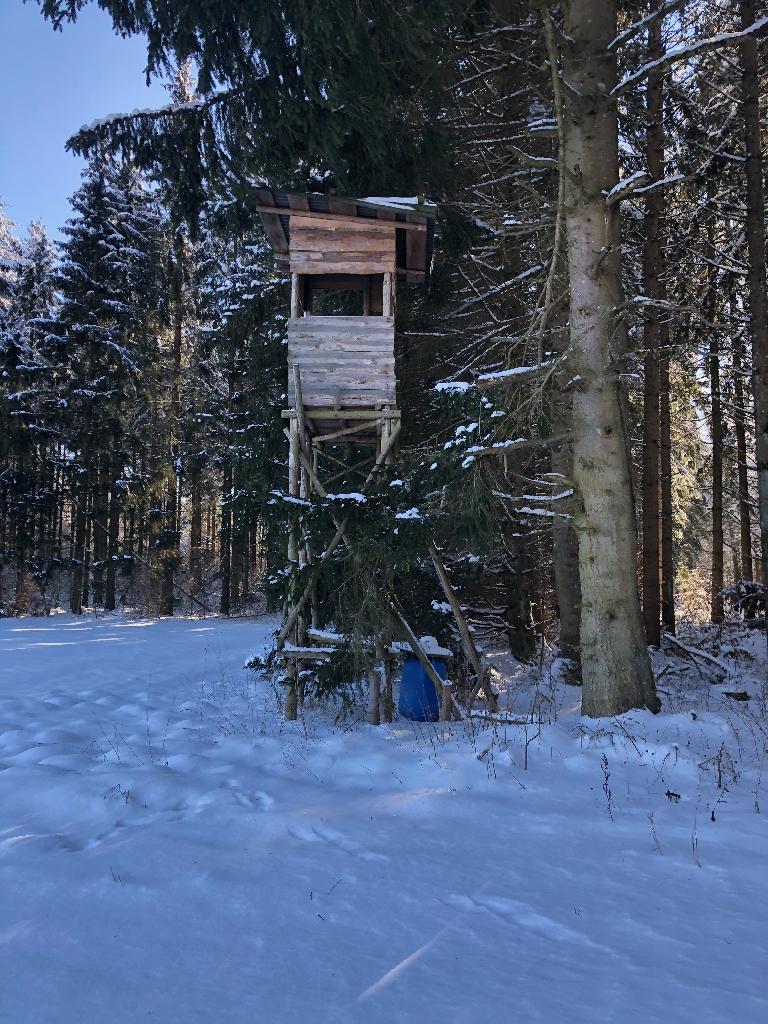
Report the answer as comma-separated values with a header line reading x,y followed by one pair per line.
x,y
238,365
101,348
29,302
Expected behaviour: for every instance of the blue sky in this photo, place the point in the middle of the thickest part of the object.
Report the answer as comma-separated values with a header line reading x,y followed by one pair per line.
x,y
50,84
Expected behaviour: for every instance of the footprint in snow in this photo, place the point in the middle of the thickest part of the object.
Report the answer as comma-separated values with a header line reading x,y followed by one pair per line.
x,y
319,834
257,801
515,912
47,841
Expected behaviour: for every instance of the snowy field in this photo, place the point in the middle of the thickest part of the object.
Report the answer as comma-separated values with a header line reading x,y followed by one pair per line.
x,y
171,850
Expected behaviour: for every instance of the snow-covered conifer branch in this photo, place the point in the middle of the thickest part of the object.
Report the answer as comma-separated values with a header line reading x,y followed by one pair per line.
x,y
687,50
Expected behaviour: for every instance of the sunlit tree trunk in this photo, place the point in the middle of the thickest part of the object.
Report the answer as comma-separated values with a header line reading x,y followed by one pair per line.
x,y
653,287
716,430
616,669
225,548
758,300
739,413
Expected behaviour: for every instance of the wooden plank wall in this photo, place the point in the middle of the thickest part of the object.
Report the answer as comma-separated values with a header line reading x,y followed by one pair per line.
x,y
344,361
360,246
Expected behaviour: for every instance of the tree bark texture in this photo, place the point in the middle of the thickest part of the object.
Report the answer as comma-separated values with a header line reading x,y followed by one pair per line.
x,y
667,507
225,548
566,572
716,429
758,299
79,525
100,538
196,536
616,669
654,288
113,537
739,414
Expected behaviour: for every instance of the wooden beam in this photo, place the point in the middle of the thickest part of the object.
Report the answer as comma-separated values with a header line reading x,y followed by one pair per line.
x,y
295,297
348,430
446,705
418,650
388,304
344,414
469,644
300,418
279,211
304,455
345,472
397,650
294,472
304,653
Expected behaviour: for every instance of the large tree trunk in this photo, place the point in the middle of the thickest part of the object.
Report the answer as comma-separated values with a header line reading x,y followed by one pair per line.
x,y
225,548
716,413
616,668
520,629
85,596
114,526
565,543
667,508
170,545
79,535
654,288
566,566
739,415
172,525
20,535
237,552
196,535
100,538
758,300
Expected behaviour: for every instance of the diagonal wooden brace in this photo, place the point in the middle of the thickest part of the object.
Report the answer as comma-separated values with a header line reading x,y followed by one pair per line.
x,y
424,661
481,671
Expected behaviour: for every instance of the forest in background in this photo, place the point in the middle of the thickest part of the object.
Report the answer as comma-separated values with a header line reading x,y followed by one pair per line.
x,y
142,457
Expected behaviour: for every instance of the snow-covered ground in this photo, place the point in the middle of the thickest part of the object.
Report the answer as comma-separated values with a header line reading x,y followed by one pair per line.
x,y
170,849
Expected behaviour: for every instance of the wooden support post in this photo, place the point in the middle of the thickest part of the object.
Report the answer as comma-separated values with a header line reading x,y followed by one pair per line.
x,y
294,468
295,297
388,296
446,705
301,639
473,654
291,690
374,684
384,659
385,431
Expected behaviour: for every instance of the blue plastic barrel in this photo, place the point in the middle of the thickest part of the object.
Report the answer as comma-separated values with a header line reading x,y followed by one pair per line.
x,y
419,700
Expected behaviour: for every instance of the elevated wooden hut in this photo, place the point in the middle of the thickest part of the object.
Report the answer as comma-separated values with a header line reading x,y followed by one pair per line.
x,y
345,257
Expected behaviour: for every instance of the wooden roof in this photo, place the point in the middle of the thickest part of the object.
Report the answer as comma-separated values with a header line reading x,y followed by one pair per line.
x,y
414,224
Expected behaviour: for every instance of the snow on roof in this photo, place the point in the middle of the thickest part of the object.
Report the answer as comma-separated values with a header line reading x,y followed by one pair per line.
x,y
412,203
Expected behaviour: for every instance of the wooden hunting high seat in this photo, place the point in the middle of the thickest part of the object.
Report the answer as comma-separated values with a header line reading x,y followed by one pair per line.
x,y
345,257
358,248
